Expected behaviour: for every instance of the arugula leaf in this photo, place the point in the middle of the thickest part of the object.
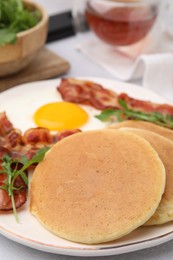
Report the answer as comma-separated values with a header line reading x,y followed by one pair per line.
x,y
38,157
123,103
106,115
125,113
14,18
12,173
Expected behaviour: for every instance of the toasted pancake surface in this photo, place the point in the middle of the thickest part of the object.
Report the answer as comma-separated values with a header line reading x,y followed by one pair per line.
x,y
97,186
164,148
165,132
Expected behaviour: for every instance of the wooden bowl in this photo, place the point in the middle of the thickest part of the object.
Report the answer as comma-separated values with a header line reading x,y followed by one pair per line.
x,y
15,57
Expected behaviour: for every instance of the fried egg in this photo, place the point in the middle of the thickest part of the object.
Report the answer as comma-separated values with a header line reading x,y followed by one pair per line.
x,y
60,116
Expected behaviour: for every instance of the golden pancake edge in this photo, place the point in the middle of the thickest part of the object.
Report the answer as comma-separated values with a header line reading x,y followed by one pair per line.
x,y
97,186
164,148
165,132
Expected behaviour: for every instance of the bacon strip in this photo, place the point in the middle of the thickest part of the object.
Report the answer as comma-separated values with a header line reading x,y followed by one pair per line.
x,y
5,125
90,93
66,133
20,196
87,93
3,151
37,135
146,106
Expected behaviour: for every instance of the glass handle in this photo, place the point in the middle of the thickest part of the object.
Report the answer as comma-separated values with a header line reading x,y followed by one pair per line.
x,y
166,11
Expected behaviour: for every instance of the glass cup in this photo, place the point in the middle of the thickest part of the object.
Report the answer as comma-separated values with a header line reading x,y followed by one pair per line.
x,y
118,23
166,14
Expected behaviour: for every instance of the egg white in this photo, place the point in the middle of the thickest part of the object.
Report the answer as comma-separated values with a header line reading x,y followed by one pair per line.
x,y
21,104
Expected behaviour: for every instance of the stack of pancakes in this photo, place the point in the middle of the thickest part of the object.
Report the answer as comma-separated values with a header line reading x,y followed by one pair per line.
x,y
97,186
161,139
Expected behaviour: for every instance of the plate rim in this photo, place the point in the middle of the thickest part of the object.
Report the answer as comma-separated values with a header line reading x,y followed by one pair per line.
x,y
101,251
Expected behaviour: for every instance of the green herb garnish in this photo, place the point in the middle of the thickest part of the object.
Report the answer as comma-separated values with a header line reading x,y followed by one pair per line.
x,y
14,18
127,113
12,173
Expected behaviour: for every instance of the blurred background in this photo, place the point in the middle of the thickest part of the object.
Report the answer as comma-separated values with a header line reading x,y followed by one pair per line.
x,y
56,6
69,36
60,6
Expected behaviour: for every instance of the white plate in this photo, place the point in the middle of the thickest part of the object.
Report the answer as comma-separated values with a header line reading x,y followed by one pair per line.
x,y
20,104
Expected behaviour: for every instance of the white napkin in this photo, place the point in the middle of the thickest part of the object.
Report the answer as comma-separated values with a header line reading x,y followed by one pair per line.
x,y
151,60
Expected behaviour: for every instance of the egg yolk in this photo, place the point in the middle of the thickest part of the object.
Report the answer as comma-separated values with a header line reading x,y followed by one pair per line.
x,y
60,116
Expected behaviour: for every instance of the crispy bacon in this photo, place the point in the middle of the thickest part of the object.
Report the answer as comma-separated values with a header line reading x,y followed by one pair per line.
x,y
34,139
13,138
66,133
13,143
37,135
5,125
146,105
93,94
23,150
3,151
17,145
20,196
87,93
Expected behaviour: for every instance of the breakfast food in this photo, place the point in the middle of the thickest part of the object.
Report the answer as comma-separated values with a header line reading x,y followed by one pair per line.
x,y
14,144
164,148
60,116
145,125
146,106
19,194
87,93
97,186
95,95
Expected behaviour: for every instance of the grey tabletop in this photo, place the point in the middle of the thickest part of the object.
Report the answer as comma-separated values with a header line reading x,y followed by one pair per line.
x,y
80,66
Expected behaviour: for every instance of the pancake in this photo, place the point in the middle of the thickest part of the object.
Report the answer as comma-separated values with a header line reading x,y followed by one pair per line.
x,y
164,148
97,186
165,132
